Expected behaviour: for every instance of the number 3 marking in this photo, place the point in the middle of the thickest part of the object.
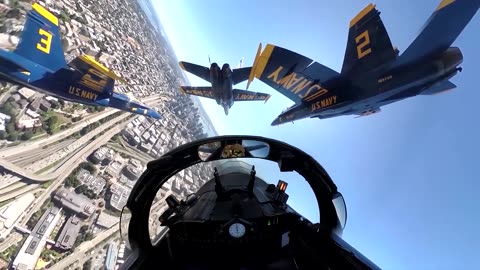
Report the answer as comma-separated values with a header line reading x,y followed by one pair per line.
x,y
360,47
45,42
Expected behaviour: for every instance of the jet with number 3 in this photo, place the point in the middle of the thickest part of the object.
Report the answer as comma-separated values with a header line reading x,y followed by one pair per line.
x,y
39,63
222,81
374,74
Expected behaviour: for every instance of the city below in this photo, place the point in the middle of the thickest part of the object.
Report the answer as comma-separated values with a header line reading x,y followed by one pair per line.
x,y
67,169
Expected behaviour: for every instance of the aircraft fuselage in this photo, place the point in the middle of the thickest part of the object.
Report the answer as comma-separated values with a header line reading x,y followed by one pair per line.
x,y
63,84
222,84
387,84
67,84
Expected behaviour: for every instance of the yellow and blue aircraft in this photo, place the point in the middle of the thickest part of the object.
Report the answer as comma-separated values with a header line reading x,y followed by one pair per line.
x,y
373,72
39,63
222,81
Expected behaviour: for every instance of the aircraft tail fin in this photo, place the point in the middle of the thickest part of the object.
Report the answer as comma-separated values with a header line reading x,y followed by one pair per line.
x,y
441,29
368,44
40,41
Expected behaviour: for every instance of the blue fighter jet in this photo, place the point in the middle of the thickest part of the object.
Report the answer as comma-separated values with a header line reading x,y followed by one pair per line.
x,y
374,73
39,63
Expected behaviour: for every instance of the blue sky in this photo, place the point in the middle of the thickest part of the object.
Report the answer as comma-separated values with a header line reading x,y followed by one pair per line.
x,y
409,175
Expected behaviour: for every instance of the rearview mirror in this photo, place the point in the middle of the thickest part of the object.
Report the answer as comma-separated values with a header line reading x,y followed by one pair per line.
x,y
233,149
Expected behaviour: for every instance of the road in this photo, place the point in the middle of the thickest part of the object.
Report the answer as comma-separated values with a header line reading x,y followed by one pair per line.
x,y
23,160
18,192
72,163
66,168
71,148
31,145
14,239
136,155
7,165
52,158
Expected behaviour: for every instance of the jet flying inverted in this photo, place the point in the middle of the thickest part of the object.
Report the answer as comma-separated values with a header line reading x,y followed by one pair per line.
x,y
373,72
39,63
222,81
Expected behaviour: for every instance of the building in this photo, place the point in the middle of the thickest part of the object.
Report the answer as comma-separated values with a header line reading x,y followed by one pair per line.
x,y
23,103
108,158
145,147
4,119
106,221
132,172
95,184
121,252
126,181
76,203
99,155
40,103
69,233
134,141
27,93
177,186
111,257
28,124
32,114
8,42
31,249
115,167
119,196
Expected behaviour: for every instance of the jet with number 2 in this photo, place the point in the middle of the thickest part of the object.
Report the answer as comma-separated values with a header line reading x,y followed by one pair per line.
x,y
222,81
38,63
373,72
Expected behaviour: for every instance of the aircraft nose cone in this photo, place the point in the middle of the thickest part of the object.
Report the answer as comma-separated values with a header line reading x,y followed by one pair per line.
x,y
225,108
276,122
154,114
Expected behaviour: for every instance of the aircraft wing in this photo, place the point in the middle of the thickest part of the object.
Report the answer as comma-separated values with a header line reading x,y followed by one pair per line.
x,y
197,70
201,91
442,29
293,75
439,88
244,95
240,74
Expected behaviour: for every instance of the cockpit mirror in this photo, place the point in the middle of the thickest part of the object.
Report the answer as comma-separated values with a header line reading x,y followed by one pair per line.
x,y
233,149
206,150
340,208
257,149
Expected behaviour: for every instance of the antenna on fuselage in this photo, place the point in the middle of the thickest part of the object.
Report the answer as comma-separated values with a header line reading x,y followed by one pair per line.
x,y
209,60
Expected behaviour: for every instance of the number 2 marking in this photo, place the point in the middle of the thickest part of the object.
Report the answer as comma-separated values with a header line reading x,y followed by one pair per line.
x,y
45,41
360,47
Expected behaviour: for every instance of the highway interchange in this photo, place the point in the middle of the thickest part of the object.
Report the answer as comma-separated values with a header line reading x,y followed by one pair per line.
x,y
21,157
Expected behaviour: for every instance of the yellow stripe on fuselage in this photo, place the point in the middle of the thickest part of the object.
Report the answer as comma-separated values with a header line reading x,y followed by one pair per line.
x,y
45,13
444,3
362,14
93,63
